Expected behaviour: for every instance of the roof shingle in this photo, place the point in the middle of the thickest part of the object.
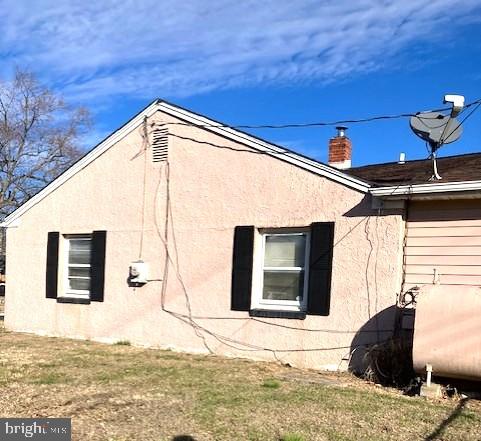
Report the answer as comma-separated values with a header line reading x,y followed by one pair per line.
x,y
451,168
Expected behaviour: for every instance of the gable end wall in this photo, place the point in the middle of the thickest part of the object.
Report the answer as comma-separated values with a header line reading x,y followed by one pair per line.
x,y
213,185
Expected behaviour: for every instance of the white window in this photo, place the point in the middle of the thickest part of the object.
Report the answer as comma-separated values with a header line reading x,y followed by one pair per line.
x,y
281,270
77,266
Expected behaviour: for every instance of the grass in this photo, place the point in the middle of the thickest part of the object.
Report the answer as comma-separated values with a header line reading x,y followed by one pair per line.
x,y
292,437
271,383
120,392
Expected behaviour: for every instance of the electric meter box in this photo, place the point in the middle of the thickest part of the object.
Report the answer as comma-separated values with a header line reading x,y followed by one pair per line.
x,y
139,272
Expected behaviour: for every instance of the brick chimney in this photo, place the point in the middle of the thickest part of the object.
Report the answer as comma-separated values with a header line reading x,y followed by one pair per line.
x,y
340,148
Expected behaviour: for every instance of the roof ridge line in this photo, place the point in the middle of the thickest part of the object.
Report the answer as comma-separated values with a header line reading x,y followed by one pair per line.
x,y
236,135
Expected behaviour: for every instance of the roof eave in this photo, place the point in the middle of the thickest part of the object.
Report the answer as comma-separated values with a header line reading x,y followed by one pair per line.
x,y
213,126
432,189
269,148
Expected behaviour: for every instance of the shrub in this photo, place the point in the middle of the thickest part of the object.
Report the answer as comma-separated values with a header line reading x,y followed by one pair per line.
x,y
389,363
122,343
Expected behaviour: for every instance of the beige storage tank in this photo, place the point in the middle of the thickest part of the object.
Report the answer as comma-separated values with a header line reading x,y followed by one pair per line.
x,y
447,331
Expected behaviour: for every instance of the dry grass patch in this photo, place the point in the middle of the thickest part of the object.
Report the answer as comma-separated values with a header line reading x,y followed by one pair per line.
x,y
120,392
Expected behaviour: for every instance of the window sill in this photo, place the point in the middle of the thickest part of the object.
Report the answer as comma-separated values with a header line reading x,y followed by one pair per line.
x,y
75,300
268,313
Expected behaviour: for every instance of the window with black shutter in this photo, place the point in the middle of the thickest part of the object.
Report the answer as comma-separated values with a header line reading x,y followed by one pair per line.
x,y
320,268
242,268
284,272
76,267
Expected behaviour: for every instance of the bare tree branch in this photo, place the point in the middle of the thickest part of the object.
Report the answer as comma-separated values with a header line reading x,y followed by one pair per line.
x,y
39,135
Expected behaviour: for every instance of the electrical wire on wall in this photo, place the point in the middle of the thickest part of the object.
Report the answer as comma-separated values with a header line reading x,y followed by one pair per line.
x,y
164,237
189,319
371,249
144,148
376,286
163,233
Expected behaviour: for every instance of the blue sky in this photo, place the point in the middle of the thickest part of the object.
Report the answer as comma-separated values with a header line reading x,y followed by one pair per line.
x,y
254,62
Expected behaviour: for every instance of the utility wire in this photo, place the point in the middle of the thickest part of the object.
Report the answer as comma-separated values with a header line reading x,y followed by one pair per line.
x,y
320,123
442,139
189,318
461,122
241,345
287,152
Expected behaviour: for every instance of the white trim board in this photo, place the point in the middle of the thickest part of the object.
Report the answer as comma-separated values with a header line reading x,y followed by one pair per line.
x,y
439,187
187,116
258,144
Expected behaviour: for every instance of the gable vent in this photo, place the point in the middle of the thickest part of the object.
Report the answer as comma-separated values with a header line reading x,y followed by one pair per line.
x,y
160,145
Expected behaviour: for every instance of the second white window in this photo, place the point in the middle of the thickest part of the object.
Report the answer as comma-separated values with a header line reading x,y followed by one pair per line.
x,y
77,274
282,271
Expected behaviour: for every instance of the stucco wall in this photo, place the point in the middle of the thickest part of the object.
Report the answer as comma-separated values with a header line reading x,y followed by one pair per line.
x,y
212,188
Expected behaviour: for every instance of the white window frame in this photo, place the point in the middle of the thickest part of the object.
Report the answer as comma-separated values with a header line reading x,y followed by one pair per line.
x,y
257,301
67,292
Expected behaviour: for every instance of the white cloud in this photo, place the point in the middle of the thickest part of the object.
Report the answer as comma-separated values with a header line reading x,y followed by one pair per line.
x,y
93,50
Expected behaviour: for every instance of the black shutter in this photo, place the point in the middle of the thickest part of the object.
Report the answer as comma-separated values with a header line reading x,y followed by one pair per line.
x,y
242,268
51,275
320,268
97,266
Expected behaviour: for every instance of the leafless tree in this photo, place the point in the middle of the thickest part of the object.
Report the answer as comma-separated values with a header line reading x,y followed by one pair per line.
x,y
39,138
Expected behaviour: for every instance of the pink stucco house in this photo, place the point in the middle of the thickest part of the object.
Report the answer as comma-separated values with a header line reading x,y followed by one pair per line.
x,y
180,232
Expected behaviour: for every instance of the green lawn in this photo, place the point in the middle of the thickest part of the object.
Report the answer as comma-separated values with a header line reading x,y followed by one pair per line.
x,y
119,392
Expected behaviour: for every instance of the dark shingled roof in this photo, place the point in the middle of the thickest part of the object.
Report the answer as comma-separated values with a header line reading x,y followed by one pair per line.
x,y
451,168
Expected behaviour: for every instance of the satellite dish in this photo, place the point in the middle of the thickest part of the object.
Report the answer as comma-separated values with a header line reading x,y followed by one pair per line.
x,y
435,128
438,129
